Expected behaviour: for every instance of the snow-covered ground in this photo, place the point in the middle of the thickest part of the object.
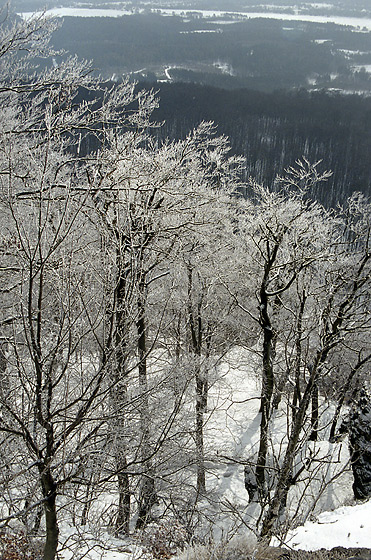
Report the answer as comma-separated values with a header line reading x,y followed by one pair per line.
x,y
231,436
348,526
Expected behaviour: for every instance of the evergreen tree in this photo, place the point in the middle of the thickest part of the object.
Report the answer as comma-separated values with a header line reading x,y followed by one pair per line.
x,y
360,446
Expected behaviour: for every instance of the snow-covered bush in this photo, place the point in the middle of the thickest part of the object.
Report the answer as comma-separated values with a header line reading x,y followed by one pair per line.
x,y
164,539
235,549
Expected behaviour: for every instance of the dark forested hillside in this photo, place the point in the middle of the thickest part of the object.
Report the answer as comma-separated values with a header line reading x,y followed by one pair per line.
x,y
273,130
261,54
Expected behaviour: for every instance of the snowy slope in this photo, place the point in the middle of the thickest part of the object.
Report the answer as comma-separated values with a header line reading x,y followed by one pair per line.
x,y
231,437
346,526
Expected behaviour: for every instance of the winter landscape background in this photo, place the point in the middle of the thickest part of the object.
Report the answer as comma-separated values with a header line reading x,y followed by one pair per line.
x,y
185,278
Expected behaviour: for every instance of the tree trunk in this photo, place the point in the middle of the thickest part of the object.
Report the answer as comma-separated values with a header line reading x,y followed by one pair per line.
x,y
296,399
4,379
280,382
147,499
119,396
269,342
285,474
196,332
266,395
123,511
114,355
49,489
147,496
122,525
199,435
314,415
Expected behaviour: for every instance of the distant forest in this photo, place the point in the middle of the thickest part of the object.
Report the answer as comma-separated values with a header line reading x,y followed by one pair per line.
x,y
251,78
272,130
260,54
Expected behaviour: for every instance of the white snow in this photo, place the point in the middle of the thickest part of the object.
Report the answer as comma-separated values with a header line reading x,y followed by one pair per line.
x,y
231,437
81,12
348,526
365,67
224,67
199,31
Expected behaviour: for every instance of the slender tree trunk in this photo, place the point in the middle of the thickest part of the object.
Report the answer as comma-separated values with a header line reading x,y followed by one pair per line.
x,y
267,391
147,496
269,342
123,511
283,482
43,391
119,400
49,490
115,358
296,398
199,435
314,414
196,331
298,354
278,383
3,365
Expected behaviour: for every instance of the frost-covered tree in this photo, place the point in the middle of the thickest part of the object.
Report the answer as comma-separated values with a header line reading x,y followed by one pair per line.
x,y
148,200
308,275
203,309
54,400
283,234
334,319
93,214
127,268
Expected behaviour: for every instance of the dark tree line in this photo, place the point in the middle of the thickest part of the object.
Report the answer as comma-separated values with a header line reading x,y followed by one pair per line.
x,y
273,130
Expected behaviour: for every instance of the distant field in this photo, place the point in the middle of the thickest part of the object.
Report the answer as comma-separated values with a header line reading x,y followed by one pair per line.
x,y
363,23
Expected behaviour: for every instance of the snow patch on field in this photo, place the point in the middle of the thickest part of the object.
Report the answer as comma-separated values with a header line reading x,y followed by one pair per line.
x,y
360,67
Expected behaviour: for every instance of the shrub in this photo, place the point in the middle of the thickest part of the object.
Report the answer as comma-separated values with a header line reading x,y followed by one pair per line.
x,y
235,549
18,547
164,539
